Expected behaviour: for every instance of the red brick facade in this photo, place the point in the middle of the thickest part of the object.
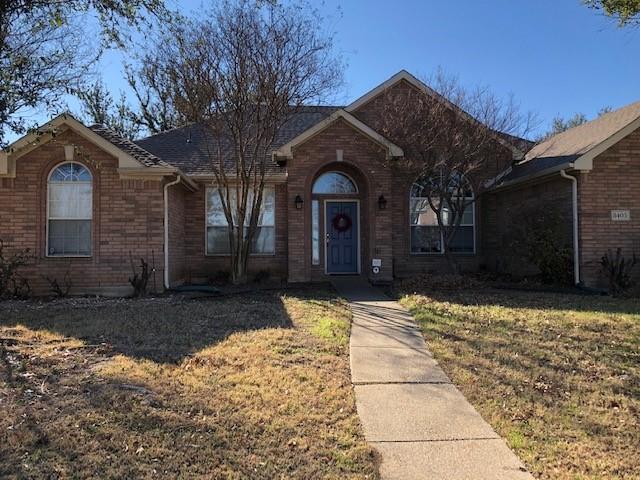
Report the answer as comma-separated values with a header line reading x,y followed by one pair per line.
x,y
127,218
613,184
129,214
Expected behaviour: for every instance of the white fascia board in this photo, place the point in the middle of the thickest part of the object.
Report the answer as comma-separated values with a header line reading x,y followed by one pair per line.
x,y
585,161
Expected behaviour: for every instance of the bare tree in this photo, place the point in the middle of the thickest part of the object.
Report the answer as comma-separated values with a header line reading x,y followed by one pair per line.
x,y
449,135
153,91
98,106
239,74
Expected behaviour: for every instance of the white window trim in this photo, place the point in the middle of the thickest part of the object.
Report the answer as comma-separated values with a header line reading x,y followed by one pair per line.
x,y
441,252
48,218
206,226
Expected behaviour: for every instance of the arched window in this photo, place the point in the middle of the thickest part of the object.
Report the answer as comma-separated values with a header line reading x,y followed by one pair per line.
x,y
69,211
426,236
334,182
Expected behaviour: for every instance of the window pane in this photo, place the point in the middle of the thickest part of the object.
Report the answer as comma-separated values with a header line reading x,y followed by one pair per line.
x,y
421,212
462,242
215,213
217,218
267,210
264,240
315,232
467,216
69,237
425,240
70,200
217,240
334,182
424,232
71,172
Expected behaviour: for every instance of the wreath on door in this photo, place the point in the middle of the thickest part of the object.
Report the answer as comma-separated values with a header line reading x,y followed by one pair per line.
x,y
341,222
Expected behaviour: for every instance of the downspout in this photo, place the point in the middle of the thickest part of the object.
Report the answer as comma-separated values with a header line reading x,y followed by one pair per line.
x,y
166,230
576,248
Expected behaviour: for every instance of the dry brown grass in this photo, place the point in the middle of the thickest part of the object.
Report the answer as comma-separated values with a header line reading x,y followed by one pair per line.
x,y
251,386
557,375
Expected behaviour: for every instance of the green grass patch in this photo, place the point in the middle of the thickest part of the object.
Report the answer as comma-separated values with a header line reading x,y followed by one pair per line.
x,y
558,376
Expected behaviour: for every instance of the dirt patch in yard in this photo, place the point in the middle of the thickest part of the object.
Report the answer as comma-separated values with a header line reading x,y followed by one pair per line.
x,y
557,375
248,386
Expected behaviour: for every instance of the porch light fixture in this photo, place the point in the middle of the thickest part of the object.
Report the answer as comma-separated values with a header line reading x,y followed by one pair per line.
x,y
298,202
382,202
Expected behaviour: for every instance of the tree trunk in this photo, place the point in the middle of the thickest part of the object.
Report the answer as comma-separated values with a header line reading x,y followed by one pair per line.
x,y
239,267
454,268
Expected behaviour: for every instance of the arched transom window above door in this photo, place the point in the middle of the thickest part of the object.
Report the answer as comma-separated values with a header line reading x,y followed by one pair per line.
x,y
334,182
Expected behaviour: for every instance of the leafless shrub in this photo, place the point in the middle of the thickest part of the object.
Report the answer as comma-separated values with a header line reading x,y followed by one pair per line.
x,y
12,284
618,271
140,280
60,289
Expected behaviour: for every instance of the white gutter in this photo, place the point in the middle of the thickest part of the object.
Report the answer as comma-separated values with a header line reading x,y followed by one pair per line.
x,y
166,230
574,201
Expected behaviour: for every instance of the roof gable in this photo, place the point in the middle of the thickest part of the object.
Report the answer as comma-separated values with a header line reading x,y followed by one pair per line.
x,y
286,150
404,76
130,156
587,141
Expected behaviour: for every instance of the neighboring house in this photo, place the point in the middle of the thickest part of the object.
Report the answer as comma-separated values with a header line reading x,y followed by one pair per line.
x,y
338,200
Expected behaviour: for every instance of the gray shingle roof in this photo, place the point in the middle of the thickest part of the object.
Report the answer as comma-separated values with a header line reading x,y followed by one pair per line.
x,y
140,154
186,147
579,140
564,148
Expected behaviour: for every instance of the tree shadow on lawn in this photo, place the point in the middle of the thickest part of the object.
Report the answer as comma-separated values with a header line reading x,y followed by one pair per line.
x,y
164,330
250,408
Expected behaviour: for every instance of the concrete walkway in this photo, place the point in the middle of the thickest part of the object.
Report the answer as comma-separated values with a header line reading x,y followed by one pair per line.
x,y
411,413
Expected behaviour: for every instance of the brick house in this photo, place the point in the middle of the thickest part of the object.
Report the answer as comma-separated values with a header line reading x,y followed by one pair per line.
x,y
337,201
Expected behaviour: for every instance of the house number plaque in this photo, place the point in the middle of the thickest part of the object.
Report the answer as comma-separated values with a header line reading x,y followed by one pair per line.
x,y
620,215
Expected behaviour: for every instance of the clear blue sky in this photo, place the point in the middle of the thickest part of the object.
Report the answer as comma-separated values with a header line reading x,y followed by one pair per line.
x,y
556,56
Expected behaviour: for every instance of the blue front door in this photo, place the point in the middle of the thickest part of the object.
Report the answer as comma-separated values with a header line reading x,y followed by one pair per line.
x,y
342,237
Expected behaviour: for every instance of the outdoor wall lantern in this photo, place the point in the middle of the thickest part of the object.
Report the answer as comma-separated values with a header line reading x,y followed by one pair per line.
x,y
382,202
298,202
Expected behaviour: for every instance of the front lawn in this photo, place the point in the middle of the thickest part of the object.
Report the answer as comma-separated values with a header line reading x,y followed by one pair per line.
x,y
247,386
558,376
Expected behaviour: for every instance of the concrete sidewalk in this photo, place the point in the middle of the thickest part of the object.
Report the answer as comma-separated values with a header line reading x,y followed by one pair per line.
x,y
411,413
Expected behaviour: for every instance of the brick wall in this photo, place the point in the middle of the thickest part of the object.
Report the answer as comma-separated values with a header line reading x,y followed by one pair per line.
x,y
127,217
505,213
613,184
363,161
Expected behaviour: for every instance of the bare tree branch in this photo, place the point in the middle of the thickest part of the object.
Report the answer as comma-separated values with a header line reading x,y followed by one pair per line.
x,y
239,74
